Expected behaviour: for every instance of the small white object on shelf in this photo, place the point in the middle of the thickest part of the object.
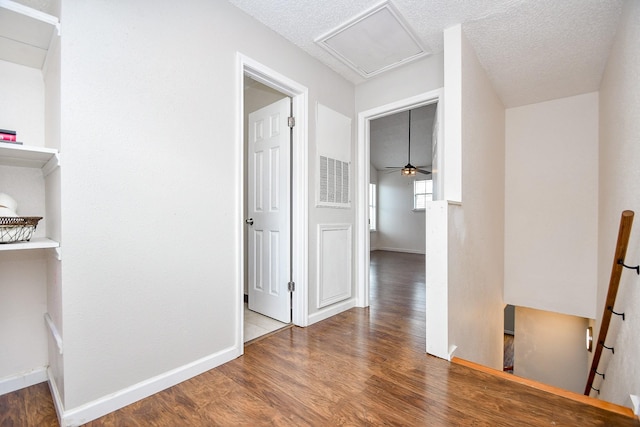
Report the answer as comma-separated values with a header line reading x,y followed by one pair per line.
x,y
8,202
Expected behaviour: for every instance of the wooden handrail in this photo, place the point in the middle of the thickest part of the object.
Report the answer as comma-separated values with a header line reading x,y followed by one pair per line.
x,y
626,220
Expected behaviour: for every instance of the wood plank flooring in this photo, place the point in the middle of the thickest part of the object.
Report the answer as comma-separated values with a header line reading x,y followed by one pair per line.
x,y
363,367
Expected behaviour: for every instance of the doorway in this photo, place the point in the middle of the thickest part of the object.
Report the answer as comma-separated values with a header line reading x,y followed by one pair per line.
x,y
364,162
267,201
280,87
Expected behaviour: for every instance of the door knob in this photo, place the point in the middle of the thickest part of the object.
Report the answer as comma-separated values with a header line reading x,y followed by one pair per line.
x,y
249,221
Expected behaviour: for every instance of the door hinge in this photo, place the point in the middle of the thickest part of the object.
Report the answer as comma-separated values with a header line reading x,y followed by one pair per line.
x,y
291,286
291,121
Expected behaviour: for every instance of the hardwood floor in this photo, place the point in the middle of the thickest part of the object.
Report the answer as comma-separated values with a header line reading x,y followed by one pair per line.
x,y
361,367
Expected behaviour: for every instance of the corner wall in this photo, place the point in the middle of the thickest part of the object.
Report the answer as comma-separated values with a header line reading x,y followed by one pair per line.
x,y
619,190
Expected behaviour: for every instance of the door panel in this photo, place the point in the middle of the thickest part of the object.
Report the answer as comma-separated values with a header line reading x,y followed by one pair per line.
x,y
269,199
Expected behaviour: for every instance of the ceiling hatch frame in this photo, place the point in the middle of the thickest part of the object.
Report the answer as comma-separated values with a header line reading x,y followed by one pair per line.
x,y
378,36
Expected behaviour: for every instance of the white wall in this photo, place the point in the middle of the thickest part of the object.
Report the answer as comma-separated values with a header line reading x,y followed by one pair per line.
x,y
550,348
404,82
618,190
476,233
551,205
148,130
400,228
22,104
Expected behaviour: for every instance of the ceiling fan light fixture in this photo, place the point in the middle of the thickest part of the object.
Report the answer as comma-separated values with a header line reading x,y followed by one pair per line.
x,y
408,170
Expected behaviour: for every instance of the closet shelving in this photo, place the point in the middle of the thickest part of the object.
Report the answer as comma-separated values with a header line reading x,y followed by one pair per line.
x,y
26,36
45,159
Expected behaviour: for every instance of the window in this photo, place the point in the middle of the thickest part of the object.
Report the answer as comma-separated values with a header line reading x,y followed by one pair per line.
x,y
422,193
373,223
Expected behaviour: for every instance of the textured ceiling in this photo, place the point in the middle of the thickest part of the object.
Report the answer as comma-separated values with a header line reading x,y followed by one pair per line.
x,y
389,137
533,50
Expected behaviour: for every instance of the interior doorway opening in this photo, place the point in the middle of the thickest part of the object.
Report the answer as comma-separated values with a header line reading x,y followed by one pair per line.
x,y
364,173
280,85
364,176
267,209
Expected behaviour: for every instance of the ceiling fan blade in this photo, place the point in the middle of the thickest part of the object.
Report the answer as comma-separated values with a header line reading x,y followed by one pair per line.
x,y
423,171
393,167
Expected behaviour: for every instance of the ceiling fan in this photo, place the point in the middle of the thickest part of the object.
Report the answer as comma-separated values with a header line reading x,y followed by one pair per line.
x,y
409,169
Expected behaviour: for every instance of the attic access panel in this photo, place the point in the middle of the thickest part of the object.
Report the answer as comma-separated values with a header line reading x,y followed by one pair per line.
x,y
373,42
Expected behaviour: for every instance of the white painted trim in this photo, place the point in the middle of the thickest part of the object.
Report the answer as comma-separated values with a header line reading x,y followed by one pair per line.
x,y
114,401
320,303
362,192
30,12
22,380
51,165
452,349
406,251
300,184
635,402
54,332
331,311
437,278
55,396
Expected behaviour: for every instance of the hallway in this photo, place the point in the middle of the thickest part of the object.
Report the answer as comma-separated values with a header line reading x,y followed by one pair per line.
x,y
361,367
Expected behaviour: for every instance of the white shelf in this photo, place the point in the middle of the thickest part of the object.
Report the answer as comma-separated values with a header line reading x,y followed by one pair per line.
x,y
36,243
28,157
25,34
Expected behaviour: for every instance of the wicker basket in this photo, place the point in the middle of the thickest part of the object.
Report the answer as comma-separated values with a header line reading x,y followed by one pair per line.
x,y
17,229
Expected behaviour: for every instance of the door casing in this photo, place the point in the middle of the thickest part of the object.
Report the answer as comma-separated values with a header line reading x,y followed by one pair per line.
x,y
364,164
300,182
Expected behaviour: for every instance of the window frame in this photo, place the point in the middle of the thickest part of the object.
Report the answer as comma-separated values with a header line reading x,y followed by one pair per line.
x,y
373,206
428,195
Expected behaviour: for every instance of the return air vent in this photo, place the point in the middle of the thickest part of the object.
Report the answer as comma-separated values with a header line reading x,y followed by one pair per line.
x,y
334,182
373,42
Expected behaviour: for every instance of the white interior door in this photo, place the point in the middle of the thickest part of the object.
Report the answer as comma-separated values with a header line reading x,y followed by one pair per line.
x,y
269,246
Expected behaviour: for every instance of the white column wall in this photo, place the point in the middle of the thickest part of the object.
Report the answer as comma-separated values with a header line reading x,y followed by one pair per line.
x,y
476,226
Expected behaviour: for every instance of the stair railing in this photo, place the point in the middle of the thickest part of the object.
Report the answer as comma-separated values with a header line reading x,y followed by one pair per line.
x,y
624,232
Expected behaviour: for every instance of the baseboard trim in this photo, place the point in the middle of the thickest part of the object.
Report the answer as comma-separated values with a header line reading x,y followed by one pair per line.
x,y
55,396
331,311
22,380
611,407
406,251
114,401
